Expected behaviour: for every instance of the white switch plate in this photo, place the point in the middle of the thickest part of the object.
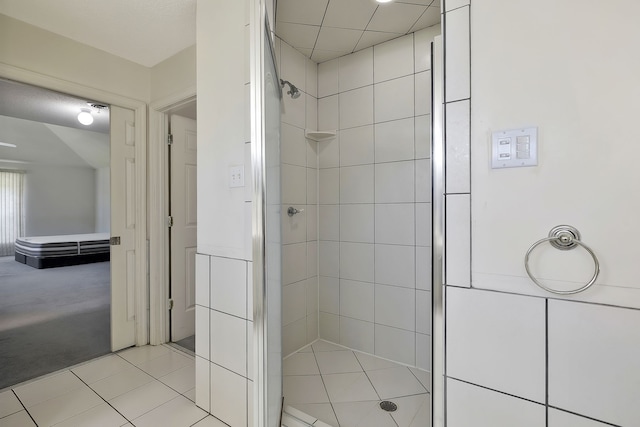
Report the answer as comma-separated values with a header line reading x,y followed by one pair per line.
x,y
236,176
514,148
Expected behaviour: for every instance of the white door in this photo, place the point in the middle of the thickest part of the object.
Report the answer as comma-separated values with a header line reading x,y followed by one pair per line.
x,y
123,225
183,231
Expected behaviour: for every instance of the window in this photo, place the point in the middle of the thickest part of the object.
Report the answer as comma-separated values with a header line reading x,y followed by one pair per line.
x,y
11,210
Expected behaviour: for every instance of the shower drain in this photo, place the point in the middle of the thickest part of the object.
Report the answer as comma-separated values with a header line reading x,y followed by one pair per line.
x,y
388,406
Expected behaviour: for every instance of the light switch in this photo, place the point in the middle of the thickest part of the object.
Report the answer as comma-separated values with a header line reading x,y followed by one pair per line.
x,y
515,148
236,176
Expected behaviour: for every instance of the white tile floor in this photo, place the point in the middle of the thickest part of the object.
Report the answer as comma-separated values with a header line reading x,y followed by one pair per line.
x,y
142,386
341,387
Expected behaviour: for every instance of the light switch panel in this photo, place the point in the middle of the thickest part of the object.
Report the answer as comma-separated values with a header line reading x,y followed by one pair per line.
x,y
515,148
236,176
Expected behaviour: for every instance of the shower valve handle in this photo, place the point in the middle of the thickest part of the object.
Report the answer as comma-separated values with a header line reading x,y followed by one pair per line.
x,y
292,211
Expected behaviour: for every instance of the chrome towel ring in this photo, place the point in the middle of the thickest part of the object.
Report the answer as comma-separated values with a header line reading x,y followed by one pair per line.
x,y
563,237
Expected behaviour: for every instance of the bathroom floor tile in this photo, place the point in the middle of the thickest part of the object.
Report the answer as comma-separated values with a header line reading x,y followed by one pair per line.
x,y
337,362
121,383
102,415
19,419
423,376
304,389
181,380
300,364
321,345
210,422
362,414
191,394
179,412
101,368
47,388
321,411
62,407
370,363
138,355
408,409
395,382
9,404
353,387
165,364
143,399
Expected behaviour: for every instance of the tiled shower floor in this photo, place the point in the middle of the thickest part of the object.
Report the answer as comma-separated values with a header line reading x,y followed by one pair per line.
x,y
341,387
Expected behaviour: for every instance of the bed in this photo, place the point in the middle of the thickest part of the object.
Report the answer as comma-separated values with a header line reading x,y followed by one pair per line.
x,y
59,251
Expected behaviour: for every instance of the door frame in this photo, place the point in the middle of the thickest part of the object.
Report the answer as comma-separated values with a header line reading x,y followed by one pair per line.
x,y
140,111
159,331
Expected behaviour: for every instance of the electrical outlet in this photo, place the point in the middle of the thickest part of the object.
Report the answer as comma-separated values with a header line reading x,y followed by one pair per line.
x,y
236,176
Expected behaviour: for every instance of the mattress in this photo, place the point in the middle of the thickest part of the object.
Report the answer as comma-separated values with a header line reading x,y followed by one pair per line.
x,y
70,249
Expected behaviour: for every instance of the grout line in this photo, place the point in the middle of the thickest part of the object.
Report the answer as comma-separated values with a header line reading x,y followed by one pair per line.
x,y
25,408
103,399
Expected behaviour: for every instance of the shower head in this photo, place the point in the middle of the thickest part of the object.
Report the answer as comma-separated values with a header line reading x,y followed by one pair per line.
x,y
293,91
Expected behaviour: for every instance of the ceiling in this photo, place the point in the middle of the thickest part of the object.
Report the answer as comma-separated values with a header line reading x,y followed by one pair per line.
x,y
143,31
326,29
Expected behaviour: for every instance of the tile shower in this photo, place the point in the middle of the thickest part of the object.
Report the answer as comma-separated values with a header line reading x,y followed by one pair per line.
x,y
356,261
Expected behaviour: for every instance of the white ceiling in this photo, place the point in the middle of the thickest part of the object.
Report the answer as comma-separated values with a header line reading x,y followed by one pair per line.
x,y
143,31
326,29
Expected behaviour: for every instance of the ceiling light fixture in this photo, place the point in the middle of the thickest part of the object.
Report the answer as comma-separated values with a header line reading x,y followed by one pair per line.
x,y
6,144
85,116
384,1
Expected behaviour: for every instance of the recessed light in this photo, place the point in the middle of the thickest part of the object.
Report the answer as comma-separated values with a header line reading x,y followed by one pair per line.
x,y
384,1
6,144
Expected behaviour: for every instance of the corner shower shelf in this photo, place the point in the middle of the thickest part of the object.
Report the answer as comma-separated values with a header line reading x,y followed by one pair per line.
x,y
320,135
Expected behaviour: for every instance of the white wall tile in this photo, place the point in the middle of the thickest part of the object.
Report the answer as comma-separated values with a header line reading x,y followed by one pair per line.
x,y
329,258
329,294
293,66
357,334
202,332
357,300
294,184
250,290
395,344
394,140
469,405
312,186
250,351
313,327
423,180
423,268
228,342
356,146
203,399
565,419
458,232
394,182
312,295
329,153
356,261
293,110
202,280
294,302
293,228
497,341
294,263
312,78
329,222
294,336
356,107
393,59
355,70
312,259
423,352
329,186
329,327
423,136
594,347
328,78
394,99
395,307
328,113
458,58
311,113
395,265
228,397
293,148
357,223
312,222
229,286
423,312
422,47
356,184
395,224
423,93
458,138
312,154
454,4
423,224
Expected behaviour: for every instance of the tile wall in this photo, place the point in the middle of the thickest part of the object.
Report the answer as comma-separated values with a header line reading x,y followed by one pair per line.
x,y
374,198
299,184
516,355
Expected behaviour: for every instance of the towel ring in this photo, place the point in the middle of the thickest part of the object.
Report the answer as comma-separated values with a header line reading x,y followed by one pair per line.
x,y
563,237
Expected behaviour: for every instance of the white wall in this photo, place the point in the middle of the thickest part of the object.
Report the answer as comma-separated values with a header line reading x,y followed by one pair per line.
x,y
103,200
299,163
59,200
375,199
174,74
571,72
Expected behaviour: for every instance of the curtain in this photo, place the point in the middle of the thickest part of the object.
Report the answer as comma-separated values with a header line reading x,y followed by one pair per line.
x,y
11,210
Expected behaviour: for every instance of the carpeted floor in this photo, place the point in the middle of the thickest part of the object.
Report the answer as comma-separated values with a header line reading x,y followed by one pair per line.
x,y
189,343
51,318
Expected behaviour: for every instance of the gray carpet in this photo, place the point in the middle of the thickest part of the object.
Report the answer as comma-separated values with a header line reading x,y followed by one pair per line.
x,y
52,318
189,343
